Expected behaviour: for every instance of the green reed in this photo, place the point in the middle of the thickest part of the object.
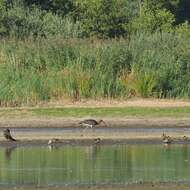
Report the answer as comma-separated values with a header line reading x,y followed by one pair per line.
x,y
33,71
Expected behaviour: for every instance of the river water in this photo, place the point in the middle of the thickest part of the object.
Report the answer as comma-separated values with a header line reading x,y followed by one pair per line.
x,y
93,165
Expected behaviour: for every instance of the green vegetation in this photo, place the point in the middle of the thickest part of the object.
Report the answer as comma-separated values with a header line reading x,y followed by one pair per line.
x,y
178,112
51,50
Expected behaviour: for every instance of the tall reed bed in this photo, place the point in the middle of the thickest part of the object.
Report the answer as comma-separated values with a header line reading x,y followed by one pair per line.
x,y
42,70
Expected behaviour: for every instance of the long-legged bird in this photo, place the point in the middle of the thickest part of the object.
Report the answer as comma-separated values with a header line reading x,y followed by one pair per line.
x,y
91,123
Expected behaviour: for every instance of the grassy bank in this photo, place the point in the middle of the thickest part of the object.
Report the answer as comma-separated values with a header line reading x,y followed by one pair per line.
x,y
135,112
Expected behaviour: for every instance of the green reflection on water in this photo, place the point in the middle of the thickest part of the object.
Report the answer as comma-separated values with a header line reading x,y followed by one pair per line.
x,y
94,164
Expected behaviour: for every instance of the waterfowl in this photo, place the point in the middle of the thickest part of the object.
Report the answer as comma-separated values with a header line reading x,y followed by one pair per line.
x,y
7,135
91,123
97,140
53,141
185,138
166,139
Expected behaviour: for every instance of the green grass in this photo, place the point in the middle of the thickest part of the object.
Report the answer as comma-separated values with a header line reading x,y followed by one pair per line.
x,y
32,72
96,112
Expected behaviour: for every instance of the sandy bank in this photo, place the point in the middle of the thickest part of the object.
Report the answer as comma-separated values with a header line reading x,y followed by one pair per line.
x,y
111,122
119,129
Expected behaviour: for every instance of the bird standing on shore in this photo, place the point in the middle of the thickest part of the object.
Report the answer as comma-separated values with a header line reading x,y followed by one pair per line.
x,y
53,141
7,135
97,140
185,138
91,123
166,139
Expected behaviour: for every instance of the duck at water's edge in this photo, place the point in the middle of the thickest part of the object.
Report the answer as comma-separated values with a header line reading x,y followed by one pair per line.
x,y
166,139
185,138
7,135
53,141
97,140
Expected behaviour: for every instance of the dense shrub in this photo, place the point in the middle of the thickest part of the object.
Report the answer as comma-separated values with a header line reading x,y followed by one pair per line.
x,y
156,65
23,22
165,55
151,20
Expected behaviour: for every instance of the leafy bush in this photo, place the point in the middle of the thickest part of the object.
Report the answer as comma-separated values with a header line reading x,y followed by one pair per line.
x,y
151,20
105,18
166,55
183,29
22,22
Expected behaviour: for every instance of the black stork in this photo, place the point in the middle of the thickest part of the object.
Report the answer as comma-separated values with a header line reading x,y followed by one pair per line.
x,y
91,123
7,135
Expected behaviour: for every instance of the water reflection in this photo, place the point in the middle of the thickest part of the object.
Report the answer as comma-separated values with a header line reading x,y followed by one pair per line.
x,y
93,164
53,147
8,152
91,152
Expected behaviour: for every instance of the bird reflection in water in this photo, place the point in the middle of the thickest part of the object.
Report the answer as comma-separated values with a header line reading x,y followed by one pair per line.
x,y
52,147
8,152
91,152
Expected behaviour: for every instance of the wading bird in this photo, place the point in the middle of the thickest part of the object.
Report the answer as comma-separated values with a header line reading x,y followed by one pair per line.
x,y
166,139
97,140
91,123
53,141
7,135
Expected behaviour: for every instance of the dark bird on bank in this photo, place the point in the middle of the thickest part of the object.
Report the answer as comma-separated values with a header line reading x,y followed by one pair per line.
x,y
7,135
91,123
166,139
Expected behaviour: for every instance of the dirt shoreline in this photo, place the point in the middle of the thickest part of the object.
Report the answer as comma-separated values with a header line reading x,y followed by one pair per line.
x,y
111,122
91,142
32,122
44,121
118,131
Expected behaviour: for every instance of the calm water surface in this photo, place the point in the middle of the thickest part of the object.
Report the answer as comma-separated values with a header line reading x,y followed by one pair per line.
x,y
90,165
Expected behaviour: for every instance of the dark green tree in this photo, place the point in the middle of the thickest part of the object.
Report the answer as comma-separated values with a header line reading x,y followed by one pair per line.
x,y
105,18
152,18
61,7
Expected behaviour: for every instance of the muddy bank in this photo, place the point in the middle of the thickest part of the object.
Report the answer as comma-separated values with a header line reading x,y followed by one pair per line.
x,y
81,142
92,142
111,122
108,135
104,133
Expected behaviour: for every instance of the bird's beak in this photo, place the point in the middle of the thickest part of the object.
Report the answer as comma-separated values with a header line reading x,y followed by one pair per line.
x,y
104,123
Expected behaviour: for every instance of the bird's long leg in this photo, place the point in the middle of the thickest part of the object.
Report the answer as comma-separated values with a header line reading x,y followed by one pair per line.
x,y
85,128
93,129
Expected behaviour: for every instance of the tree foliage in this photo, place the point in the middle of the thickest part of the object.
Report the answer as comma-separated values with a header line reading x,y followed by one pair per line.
x,y
105,17
152,19
85,18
